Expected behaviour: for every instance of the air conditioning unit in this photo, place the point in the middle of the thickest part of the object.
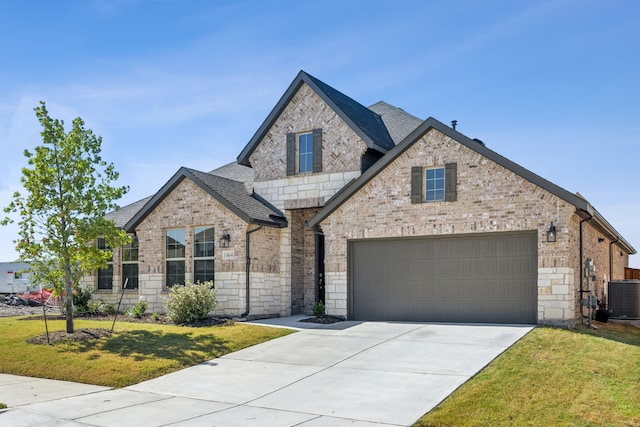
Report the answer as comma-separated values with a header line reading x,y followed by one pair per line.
x,y
624,299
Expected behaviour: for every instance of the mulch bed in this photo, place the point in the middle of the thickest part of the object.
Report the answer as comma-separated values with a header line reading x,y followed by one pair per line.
x,y
159,319
324,320
87,334
79,335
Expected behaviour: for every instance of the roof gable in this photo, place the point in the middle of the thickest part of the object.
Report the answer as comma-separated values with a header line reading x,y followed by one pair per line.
x,y
232,194
346,192
367,124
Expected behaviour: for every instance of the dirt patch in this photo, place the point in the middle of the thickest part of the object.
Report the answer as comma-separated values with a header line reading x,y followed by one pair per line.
x,y
79,335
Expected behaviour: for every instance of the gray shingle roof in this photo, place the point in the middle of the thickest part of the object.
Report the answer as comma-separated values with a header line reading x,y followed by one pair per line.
x,y
236,172
125,213
399,123
364,118
233,194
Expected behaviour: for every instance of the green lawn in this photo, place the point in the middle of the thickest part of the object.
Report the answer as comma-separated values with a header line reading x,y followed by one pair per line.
x,y
553,377
135,352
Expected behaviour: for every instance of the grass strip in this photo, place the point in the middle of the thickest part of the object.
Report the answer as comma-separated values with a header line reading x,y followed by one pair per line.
x,y
558,377
136,352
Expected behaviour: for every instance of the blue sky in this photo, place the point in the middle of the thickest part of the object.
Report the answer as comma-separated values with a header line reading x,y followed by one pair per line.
x,y
552,85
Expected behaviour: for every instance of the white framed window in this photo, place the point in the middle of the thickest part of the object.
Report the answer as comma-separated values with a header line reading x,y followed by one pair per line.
x,y
203,251
305,152
130,264
105,275
175,245
434,184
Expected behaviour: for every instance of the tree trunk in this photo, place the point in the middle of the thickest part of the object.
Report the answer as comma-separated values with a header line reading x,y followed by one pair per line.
x,y
69,310
68,289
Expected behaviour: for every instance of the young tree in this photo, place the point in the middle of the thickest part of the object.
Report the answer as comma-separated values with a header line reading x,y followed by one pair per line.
x,y
68,192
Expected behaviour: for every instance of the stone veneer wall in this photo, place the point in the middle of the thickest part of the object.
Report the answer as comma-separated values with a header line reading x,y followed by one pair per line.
x,y
490,198
189,206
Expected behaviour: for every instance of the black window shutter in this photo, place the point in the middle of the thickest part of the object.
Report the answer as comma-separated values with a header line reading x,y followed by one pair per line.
x,y
450,181
416,185
317,150
291,154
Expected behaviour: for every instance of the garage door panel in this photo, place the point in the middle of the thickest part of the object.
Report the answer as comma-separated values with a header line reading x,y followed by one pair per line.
x,y
472,278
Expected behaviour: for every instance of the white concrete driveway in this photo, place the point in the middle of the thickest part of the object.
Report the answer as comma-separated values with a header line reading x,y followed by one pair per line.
x,y
346,374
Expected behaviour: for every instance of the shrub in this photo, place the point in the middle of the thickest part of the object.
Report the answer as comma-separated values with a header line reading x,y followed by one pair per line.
x,y
137,310
81,298
318,309
191,302
100,307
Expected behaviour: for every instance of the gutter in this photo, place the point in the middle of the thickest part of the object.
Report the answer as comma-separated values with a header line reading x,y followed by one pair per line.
x,y
248,269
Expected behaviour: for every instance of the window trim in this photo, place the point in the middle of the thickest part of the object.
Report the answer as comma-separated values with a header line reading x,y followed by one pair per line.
x,y
418,183
209,257
101,244
308,154
128,248
292,151
436,180
174,259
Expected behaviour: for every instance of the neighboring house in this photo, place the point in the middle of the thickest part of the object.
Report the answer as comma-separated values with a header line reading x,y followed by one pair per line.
x,y
14,277
377,213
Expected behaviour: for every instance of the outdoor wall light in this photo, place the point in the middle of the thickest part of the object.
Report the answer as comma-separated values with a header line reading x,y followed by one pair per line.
x,y
225,239
551,233
600,239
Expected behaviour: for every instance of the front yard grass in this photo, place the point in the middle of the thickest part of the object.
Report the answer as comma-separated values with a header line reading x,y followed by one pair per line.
x,y
135,352
553,377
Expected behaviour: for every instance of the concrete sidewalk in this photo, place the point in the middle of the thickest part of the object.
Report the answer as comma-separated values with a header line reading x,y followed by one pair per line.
x,y
349,373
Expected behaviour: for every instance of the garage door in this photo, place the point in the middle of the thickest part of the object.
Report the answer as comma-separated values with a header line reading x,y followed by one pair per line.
x,y
486,278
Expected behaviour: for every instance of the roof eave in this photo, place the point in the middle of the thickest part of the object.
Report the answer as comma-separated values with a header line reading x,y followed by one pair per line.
x,y
614,235
130,226
183,173
579,203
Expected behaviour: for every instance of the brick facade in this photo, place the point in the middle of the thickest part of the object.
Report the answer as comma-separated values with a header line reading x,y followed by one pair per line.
x,y
342,149
284,261
490,198
189,206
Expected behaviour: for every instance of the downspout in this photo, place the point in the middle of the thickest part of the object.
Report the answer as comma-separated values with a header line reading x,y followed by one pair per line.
x,y
610,269
248,268
611,258
581,267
